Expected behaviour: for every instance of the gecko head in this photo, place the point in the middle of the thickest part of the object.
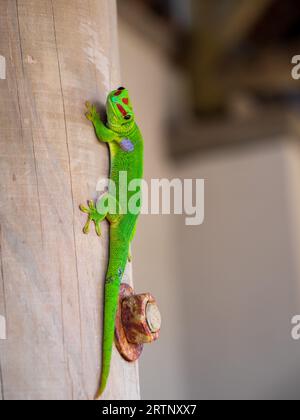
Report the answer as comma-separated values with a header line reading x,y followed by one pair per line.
x,y
119,110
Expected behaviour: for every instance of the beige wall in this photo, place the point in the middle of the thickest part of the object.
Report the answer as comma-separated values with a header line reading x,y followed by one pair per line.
x,y
227,289
243,279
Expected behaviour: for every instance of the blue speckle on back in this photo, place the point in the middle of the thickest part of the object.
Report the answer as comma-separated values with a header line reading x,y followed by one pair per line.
x,y
127,145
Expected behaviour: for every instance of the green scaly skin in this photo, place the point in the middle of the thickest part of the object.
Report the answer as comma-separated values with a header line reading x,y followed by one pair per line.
x,y
126,154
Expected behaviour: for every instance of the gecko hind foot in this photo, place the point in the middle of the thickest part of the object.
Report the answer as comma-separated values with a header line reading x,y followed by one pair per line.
x,y
93,216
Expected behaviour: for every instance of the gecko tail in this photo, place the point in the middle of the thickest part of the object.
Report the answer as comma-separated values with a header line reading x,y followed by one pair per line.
x,y
112,289
117,264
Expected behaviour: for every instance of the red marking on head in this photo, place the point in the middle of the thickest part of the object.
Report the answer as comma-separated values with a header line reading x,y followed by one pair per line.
x,y
118,93
121,109
126,101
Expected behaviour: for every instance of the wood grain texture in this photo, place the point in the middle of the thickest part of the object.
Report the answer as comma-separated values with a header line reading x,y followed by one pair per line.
x,y
59,53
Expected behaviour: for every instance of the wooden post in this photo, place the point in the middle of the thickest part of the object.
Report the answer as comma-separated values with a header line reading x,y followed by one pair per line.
x,y
58,54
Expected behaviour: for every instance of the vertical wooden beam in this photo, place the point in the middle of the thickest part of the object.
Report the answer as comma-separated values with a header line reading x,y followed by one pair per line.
x,y
208,90
58,53
240,19
217,28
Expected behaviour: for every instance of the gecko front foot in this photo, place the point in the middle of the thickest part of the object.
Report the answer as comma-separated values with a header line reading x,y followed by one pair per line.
x,y
91,114
93,216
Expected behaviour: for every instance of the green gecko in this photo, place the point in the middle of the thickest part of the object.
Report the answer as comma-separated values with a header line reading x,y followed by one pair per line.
x,y
126,155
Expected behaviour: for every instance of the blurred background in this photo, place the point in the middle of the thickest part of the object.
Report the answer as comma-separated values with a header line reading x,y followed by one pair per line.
x,y
212,85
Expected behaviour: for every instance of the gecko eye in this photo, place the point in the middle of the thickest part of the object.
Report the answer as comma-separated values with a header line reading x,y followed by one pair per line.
x,y
121,88
127,117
